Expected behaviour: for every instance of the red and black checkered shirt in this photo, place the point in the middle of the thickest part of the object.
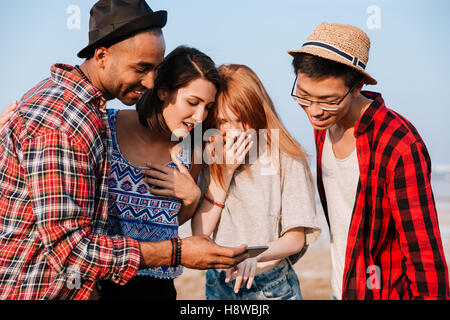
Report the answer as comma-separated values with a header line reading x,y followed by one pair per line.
x,y
54,171
394,248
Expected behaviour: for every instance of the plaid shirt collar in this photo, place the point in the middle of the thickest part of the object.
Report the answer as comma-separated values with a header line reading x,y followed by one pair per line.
x,y
366,119
61,74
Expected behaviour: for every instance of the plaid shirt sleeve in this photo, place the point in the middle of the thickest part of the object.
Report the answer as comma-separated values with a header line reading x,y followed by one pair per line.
x,y
414,213
61,183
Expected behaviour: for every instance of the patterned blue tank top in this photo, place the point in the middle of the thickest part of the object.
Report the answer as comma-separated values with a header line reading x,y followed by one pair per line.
x,y
136,213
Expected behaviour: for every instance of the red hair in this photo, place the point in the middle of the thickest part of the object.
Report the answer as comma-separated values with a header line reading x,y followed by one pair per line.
x,y
244,95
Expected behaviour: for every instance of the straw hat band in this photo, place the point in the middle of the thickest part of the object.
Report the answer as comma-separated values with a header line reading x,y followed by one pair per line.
x,y
354,60
340,43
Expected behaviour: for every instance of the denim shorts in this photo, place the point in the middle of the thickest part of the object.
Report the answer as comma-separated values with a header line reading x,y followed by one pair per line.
x,y
278,283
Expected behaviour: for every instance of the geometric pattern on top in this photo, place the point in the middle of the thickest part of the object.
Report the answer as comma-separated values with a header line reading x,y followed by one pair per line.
x,y
136,213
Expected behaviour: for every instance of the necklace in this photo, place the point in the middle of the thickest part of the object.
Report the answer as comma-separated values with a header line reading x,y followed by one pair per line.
x,y
81,73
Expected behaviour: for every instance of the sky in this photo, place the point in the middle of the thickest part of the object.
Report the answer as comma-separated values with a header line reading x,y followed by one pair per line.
x,y
410,45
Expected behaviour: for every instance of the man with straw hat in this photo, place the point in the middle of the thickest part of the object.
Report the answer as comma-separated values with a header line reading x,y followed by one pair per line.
x,y
373,175
54,168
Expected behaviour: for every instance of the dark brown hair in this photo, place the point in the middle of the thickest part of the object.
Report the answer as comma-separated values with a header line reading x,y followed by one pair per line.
x,y
179,68
317,67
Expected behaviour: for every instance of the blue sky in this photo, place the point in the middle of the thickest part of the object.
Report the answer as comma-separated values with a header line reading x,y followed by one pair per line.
x,y
409,54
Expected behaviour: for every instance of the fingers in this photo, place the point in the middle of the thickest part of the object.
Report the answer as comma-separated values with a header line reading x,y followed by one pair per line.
x,y
155,174
243,150
228,273
241,146
231,135
221,262
237,284
162,192
237,150
245,268
179,164
7,113
158,177
252,273
232,144
233,252
164,172
159,183
238,259
161,180
245,274
12,106
158,167
200,252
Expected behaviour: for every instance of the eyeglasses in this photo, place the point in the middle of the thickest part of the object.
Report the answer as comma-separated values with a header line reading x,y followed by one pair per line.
x,y
324,105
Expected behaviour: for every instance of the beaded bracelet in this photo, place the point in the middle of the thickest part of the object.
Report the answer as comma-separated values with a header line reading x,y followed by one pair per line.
x,y
178,253
214,203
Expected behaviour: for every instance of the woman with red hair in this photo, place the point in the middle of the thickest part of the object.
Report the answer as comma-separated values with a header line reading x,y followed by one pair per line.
x,y
261,193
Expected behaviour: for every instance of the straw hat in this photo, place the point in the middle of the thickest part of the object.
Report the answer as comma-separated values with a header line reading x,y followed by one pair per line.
x,y
345,44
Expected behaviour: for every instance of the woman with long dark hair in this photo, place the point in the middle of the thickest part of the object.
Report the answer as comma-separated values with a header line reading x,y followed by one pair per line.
x,y
184,93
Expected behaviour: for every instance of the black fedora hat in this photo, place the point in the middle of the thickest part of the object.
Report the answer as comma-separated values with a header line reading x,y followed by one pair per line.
x,y
112,21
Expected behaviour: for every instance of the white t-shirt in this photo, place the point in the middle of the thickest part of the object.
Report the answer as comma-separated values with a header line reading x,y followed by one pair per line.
x,y
340,179
262,206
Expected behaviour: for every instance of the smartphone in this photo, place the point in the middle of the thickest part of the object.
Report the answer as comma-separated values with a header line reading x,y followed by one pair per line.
x,y
256,251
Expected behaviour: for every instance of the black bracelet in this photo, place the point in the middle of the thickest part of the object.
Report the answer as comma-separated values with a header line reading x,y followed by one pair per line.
x,y
178,252
172,259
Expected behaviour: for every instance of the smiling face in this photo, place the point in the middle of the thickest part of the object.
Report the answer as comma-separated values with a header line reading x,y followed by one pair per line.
x,y
329,89
187,106
128,68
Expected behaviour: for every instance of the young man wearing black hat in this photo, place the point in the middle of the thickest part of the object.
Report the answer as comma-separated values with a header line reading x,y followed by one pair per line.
x,y
54,168
373,175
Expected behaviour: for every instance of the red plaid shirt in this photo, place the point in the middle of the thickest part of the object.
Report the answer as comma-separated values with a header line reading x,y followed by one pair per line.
x,y
394,248
54,170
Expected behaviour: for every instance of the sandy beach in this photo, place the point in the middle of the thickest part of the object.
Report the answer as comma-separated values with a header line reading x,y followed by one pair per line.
x,y
313,270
